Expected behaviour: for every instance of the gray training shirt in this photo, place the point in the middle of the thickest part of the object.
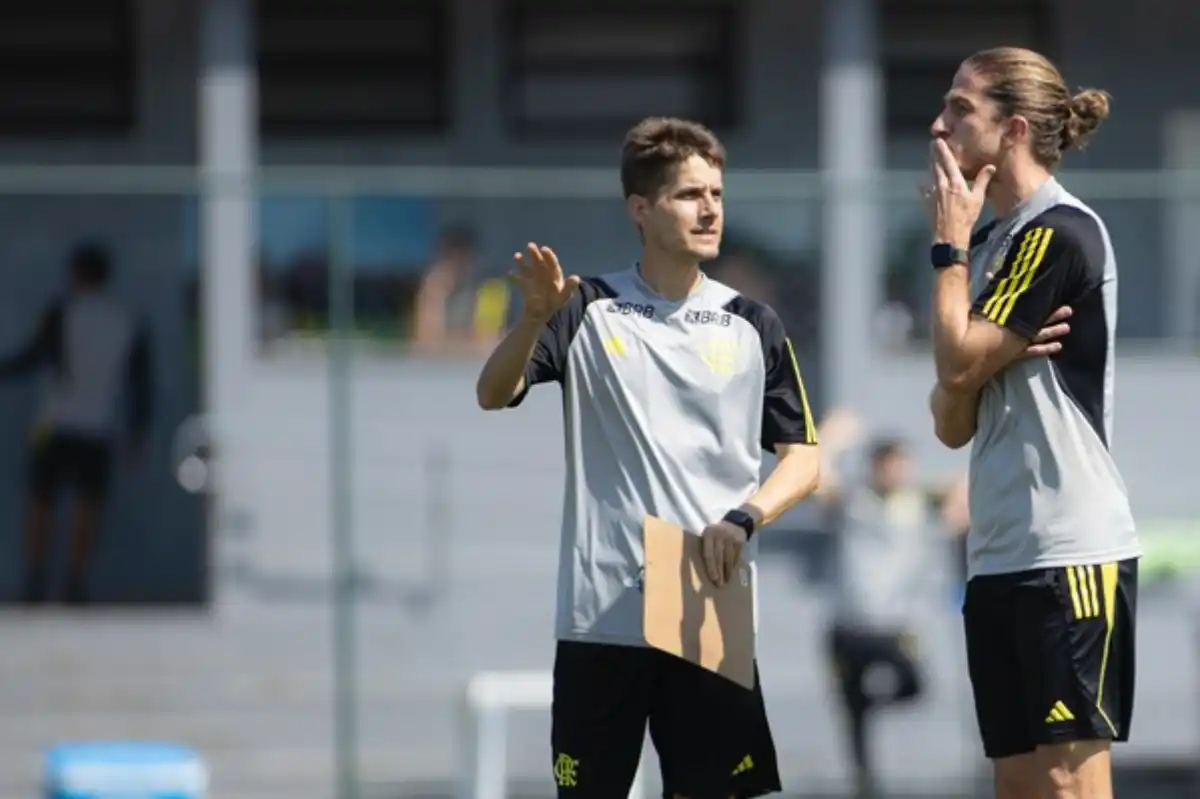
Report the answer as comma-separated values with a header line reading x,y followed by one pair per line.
x,y
1044,490
887,558
667,408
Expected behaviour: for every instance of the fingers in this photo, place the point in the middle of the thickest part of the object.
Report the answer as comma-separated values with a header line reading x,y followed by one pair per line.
x,y
732,554
533,258
941,179
1051,332
947,165
1060,315
712,562
550,260
1043,350
980,186
524,271
569,286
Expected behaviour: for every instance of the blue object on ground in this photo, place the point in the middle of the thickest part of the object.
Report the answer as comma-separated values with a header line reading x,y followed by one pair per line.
x,y
129,770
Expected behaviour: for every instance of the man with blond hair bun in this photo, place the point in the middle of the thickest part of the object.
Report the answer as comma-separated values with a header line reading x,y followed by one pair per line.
x,y
1052,550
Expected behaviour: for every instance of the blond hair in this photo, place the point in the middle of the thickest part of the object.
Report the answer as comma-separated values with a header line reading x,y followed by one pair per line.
x,y
1024,83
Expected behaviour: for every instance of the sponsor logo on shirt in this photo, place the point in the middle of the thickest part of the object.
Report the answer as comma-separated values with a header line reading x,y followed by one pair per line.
x,y
698,317
632,309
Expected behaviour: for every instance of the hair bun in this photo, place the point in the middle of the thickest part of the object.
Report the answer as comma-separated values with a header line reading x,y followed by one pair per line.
x,y
1087,110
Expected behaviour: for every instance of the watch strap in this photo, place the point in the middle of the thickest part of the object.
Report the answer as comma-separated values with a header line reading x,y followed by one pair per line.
x,y
743,520
944,254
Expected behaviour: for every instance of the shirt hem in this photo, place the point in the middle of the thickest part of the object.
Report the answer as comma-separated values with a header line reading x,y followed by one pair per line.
x,y
1092,559
602,638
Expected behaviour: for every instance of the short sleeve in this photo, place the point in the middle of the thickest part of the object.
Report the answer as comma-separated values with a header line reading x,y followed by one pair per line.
x,y
549,361
1041,266
786,417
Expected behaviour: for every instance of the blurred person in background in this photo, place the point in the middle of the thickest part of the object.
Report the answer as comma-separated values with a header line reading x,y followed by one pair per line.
x,y
1053,550
455,312
673,385
890,558
956,519
95,352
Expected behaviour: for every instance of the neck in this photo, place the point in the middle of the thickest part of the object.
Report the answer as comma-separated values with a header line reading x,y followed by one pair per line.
x,y
1017,186
671,277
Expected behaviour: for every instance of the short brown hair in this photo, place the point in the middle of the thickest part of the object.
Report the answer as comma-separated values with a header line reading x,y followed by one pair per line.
x,y
1028,84
655,146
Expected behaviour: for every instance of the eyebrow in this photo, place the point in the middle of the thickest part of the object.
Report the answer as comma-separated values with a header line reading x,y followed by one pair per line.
x,y
953,96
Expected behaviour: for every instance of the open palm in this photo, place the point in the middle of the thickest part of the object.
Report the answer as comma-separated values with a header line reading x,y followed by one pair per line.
x,y
541,280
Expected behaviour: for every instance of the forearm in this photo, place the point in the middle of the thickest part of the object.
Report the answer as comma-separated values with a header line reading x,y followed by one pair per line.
x,y
793,479
951,321
503,375
955,415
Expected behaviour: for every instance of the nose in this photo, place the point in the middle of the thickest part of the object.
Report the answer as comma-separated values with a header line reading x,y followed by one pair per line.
x,y
938,129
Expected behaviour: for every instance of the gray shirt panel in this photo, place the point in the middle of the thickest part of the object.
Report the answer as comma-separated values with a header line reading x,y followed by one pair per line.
x,y
1044,488
667,408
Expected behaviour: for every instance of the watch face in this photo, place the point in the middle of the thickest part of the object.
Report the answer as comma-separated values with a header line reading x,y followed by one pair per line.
x,y
948,255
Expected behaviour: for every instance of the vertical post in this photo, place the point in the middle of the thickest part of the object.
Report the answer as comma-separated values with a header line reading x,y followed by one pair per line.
x,y
439,523
228,144
340,382
491,754
1181,282
852,228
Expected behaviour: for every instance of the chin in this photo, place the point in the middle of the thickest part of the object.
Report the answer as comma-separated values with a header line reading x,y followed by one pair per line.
x,y
705,252
971,171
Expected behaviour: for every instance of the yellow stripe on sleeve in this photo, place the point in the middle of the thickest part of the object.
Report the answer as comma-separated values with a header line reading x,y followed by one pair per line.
x,y
1024,267
997,298
1033,261
810,428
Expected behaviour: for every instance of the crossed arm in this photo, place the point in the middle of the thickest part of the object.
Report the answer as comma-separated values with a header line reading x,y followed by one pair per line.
x,y
1019,315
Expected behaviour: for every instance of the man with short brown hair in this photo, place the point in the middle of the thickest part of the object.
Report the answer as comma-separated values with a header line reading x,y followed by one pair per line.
x,y
673,386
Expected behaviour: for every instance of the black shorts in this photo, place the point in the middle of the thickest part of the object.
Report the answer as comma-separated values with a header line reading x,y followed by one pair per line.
x,y
1051,655
711,735
856,653
81,462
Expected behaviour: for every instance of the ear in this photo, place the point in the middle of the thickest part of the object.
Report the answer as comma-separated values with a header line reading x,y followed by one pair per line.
x,y
638,208
1017,130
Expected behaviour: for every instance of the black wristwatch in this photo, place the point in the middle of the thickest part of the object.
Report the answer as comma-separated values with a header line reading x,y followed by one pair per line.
x,y
743,520
944,254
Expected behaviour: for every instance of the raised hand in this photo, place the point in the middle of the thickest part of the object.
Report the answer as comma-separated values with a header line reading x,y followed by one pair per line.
x,y
954,205
541,280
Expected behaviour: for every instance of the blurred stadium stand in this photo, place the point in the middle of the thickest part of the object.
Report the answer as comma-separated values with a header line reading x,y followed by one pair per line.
x,y
377,125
